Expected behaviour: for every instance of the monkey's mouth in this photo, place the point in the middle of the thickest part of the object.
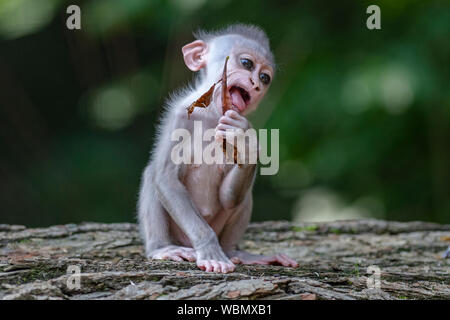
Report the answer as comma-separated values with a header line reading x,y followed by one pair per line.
x,y
240,97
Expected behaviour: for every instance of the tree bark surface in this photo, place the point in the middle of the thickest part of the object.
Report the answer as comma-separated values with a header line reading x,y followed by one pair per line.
x,y
359,259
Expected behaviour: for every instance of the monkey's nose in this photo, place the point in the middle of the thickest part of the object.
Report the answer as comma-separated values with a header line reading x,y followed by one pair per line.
x,y
253,84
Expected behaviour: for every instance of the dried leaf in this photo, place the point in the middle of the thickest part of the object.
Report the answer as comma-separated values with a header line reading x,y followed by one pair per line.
x,y
226,99
226,105
201,102
205,101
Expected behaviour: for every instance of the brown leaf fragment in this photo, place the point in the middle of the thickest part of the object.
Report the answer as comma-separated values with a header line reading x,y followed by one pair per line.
x,y
226,105
226,98
201,102
235,152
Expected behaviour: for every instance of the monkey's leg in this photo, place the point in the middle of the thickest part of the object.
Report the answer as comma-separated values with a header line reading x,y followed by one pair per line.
x,y
234,231
154,226
175,199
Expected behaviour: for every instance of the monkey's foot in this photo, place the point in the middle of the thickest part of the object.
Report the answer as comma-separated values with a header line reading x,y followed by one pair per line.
x,y
211,259
174,253
243,257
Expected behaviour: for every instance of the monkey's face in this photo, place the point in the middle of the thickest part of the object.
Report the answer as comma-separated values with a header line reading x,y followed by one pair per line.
x,y
248,79
249,72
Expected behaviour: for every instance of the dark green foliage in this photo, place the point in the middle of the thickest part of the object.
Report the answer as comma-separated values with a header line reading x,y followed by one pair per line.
x,y
362,113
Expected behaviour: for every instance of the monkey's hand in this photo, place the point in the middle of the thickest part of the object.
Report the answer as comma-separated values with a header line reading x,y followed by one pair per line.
x,y
211,258
232,122
243,257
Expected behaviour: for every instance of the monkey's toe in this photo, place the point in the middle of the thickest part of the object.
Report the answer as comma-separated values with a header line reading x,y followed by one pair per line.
x,y
253,259
215,266
174,253
172,257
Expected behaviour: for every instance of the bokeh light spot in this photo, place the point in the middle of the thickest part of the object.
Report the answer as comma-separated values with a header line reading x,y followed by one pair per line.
x,y
113,108
396,90
22,17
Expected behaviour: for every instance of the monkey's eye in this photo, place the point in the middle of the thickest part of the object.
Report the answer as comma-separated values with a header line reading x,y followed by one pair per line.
x,y
265,78
247,63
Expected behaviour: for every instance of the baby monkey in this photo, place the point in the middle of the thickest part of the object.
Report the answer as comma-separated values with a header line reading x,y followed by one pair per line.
x,y
199,212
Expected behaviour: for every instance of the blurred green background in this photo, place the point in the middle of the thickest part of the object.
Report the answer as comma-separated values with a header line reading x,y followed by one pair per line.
x,y
364,115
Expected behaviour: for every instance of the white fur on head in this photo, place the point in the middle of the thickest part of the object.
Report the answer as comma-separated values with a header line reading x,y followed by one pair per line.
x,y
248,31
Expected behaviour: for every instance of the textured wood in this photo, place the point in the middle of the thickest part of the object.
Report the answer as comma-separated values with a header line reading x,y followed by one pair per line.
x,y
333,263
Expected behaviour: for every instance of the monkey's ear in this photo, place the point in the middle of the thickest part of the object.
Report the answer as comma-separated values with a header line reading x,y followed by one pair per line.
x,y
194,55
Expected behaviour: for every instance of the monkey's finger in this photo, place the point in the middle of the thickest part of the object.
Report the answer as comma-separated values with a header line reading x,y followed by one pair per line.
x,y
233,114
234,124
224,127
230,121
224,133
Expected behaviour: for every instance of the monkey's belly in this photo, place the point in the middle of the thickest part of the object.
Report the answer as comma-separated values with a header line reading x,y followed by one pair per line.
x,y
203,184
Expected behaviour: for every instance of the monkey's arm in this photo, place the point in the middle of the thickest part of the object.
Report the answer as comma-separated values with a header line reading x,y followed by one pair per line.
x,y
176,200
237,183
239,180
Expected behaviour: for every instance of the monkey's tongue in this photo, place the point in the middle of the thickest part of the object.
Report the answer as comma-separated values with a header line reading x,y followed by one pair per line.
x,y
236,99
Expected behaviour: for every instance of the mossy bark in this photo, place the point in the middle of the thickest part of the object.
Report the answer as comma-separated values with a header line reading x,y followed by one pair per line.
x,y
338,260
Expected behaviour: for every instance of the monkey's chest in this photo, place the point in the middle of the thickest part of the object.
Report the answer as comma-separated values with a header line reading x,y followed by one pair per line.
x,y
203,183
